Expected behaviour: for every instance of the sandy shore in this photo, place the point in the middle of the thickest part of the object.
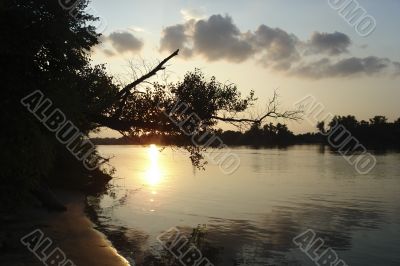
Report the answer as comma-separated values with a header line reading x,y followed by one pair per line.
x,y
71,231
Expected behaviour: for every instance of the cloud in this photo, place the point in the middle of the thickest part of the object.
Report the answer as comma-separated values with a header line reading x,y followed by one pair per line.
x,y
218,38
328,43
193,13
108,52
215,38
136,29
368,65
279,46
175,37
125,42
343,68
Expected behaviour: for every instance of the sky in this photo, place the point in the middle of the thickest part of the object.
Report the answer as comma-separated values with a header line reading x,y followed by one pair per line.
x,y
298,47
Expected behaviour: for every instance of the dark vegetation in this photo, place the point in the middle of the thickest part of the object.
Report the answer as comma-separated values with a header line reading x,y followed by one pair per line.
x,y
377,133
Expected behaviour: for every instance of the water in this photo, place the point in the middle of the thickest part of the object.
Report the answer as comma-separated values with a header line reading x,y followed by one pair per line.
x,y
251,216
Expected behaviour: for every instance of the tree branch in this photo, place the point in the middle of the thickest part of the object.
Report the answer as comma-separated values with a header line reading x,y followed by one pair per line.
x,y
154,71
272,111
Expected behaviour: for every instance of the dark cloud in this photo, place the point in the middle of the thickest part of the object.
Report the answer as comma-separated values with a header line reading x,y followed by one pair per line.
x,y
369,65
175,37
218,38
125,42
279,47
329,43
343,68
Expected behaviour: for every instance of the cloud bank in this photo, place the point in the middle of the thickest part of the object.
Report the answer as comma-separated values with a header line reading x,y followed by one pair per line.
x,y
218,38
343,68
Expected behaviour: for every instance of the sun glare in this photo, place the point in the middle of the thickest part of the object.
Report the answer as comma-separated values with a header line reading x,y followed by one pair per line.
x,y
153,174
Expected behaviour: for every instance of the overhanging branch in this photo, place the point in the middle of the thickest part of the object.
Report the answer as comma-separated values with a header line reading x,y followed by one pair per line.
x,y
154,71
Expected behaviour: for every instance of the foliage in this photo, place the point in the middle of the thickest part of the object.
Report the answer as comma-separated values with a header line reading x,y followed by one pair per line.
x,y
375,133
47,47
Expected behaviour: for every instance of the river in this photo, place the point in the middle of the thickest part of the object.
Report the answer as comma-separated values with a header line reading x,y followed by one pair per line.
x,y
251,216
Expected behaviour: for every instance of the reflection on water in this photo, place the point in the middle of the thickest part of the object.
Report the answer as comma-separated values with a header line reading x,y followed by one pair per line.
x,y
250,217
153,174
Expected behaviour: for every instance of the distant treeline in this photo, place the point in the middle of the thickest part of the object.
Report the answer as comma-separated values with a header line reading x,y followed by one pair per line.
x,y
375,133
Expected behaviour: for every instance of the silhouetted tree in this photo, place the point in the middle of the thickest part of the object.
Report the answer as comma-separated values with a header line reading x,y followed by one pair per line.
x,y
378,120
47,47
377,133
43,47
321,127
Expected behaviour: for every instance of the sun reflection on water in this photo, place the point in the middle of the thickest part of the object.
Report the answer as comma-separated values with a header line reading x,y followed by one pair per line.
x,y
153,174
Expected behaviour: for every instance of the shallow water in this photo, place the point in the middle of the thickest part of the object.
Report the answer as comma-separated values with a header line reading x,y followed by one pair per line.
x,y
251,216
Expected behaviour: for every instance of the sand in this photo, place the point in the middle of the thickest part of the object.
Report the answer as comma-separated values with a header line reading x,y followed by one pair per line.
x,y
71,231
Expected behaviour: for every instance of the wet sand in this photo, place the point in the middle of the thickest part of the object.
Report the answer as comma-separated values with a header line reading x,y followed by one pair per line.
x,y
71,231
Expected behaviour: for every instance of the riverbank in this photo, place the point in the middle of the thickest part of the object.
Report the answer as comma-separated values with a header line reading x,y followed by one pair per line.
x,y
71,231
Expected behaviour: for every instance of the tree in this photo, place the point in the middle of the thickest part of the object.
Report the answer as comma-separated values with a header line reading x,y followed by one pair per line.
x,y
135,110
321,127
47,47
397,123
349,122
378,120
43,48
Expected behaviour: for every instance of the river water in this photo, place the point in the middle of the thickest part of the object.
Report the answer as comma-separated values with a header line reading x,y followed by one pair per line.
x,y
251,216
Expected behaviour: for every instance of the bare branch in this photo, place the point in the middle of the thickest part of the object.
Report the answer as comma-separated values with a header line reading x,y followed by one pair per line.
x,y
271,112
151,73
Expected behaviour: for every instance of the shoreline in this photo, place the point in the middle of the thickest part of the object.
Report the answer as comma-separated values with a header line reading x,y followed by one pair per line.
x,y
72,231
